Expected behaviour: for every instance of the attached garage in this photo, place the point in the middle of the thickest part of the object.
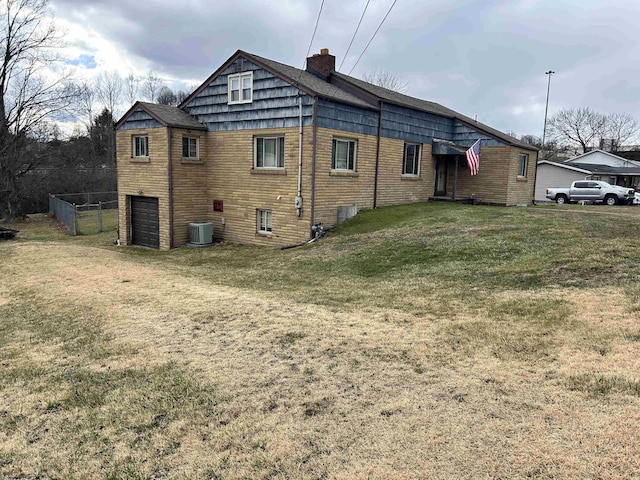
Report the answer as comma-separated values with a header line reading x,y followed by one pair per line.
x,y
145,224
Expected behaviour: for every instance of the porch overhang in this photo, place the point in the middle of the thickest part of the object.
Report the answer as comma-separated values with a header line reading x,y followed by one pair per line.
x,y
446,147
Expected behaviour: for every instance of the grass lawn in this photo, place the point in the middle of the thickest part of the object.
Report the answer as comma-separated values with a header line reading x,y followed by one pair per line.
x,y
420,341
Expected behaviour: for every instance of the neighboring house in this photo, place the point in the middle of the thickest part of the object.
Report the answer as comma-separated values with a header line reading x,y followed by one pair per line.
x,y
265,151
553,174
593,165
609,168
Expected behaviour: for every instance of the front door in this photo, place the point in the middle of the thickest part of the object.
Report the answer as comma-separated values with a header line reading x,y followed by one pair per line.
x,y
441,177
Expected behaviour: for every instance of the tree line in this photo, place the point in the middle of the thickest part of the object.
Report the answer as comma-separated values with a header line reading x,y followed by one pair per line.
x,y
37,94
574,131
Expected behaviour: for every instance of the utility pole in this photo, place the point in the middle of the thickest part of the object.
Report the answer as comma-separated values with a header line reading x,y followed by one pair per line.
x,y
546,109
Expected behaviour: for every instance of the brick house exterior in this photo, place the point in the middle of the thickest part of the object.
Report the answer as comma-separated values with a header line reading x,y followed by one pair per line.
x,y
265,151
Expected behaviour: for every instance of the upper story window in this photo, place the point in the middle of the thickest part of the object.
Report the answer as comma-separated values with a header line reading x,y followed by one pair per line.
x,y
523,161
411,159
190,147
240,88
140,146
269,152
343,154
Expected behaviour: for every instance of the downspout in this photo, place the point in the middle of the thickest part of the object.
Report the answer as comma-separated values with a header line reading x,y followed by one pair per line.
x,y
314,127
298,200
170,183
375,177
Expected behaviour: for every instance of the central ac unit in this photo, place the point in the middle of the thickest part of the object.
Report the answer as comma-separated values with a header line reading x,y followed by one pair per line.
x,y
201,233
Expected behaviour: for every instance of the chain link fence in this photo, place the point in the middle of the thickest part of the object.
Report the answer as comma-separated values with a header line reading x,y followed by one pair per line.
x,y
86,213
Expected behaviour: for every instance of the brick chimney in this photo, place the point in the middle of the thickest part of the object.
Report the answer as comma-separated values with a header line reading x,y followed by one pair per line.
x,y
321,64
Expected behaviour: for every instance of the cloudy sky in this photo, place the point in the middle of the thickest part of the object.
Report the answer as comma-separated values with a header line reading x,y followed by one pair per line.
x,y
484,58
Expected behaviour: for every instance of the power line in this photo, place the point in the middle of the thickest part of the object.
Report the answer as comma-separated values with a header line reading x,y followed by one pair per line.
x,y
374,36
354,35
314,34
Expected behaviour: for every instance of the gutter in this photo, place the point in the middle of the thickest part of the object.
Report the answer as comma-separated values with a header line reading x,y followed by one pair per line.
x,y
298,200
314,126
170,184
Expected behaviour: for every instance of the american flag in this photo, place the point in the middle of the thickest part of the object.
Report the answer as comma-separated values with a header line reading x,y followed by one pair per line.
x,y
473,157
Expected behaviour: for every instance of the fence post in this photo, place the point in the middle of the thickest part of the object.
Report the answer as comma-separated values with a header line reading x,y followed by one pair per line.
x,y
75,219
99,216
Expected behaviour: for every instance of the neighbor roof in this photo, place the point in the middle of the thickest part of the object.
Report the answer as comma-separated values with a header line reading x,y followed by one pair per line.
x,y
597,150
565,166
608,169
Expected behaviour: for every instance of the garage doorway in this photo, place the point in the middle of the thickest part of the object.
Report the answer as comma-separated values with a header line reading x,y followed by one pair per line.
x,y
145,224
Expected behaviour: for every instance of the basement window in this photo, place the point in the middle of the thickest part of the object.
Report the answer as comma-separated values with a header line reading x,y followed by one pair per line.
x,y
269,152
523,161
140,146
411,159
190,147
240,88
264,221
343,155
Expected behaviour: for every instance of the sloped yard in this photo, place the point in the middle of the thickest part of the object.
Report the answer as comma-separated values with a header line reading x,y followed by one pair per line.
x,y
423,341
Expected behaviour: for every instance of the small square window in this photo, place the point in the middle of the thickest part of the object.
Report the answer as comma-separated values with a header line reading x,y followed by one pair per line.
x,y
411,159
240,88
523,161
269,152
343,155
264,221
190,147
140,146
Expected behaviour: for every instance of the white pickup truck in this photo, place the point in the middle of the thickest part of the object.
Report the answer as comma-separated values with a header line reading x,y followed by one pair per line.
x,y
592,191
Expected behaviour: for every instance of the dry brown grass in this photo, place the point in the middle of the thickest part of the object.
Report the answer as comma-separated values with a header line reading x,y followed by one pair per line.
x,y
113,368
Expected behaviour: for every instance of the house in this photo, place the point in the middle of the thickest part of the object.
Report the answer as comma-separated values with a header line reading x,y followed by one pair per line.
x,y
594,165
265,151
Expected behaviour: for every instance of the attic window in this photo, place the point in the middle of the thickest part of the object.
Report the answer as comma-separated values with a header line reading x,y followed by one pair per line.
x,y
240,88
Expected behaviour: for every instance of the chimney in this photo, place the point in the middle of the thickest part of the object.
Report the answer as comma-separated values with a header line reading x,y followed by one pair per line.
x,y
321,64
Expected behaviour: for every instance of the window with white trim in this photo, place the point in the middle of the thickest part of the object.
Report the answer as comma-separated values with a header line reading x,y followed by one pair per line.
x,y
140,146
240,88
190,148
269,152
411,159
343,154
264,221
523,161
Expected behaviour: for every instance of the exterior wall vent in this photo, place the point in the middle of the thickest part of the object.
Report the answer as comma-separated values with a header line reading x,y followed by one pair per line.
x,y
201,234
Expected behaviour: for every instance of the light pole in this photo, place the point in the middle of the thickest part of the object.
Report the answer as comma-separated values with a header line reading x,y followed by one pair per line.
x,y
546,108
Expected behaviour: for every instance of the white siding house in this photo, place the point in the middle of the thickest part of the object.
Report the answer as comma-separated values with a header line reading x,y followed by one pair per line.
x,y
552,174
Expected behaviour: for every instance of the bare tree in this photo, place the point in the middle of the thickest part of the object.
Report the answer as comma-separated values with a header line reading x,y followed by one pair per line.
x,y
29,99
151,86
579,127
386,79
620,128
86,99
166,96
131,88
109,90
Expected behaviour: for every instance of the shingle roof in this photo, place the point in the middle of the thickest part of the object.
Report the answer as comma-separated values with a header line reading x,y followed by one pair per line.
x,y
607,168
329,90
430,107
172,116
309,81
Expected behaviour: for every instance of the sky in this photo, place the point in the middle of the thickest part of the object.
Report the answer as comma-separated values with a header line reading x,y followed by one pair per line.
x,y
483,58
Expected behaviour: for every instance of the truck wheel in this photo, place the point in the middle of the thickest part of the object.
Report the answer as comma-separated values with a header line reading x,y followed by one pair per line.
x,y
561,199
610,200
